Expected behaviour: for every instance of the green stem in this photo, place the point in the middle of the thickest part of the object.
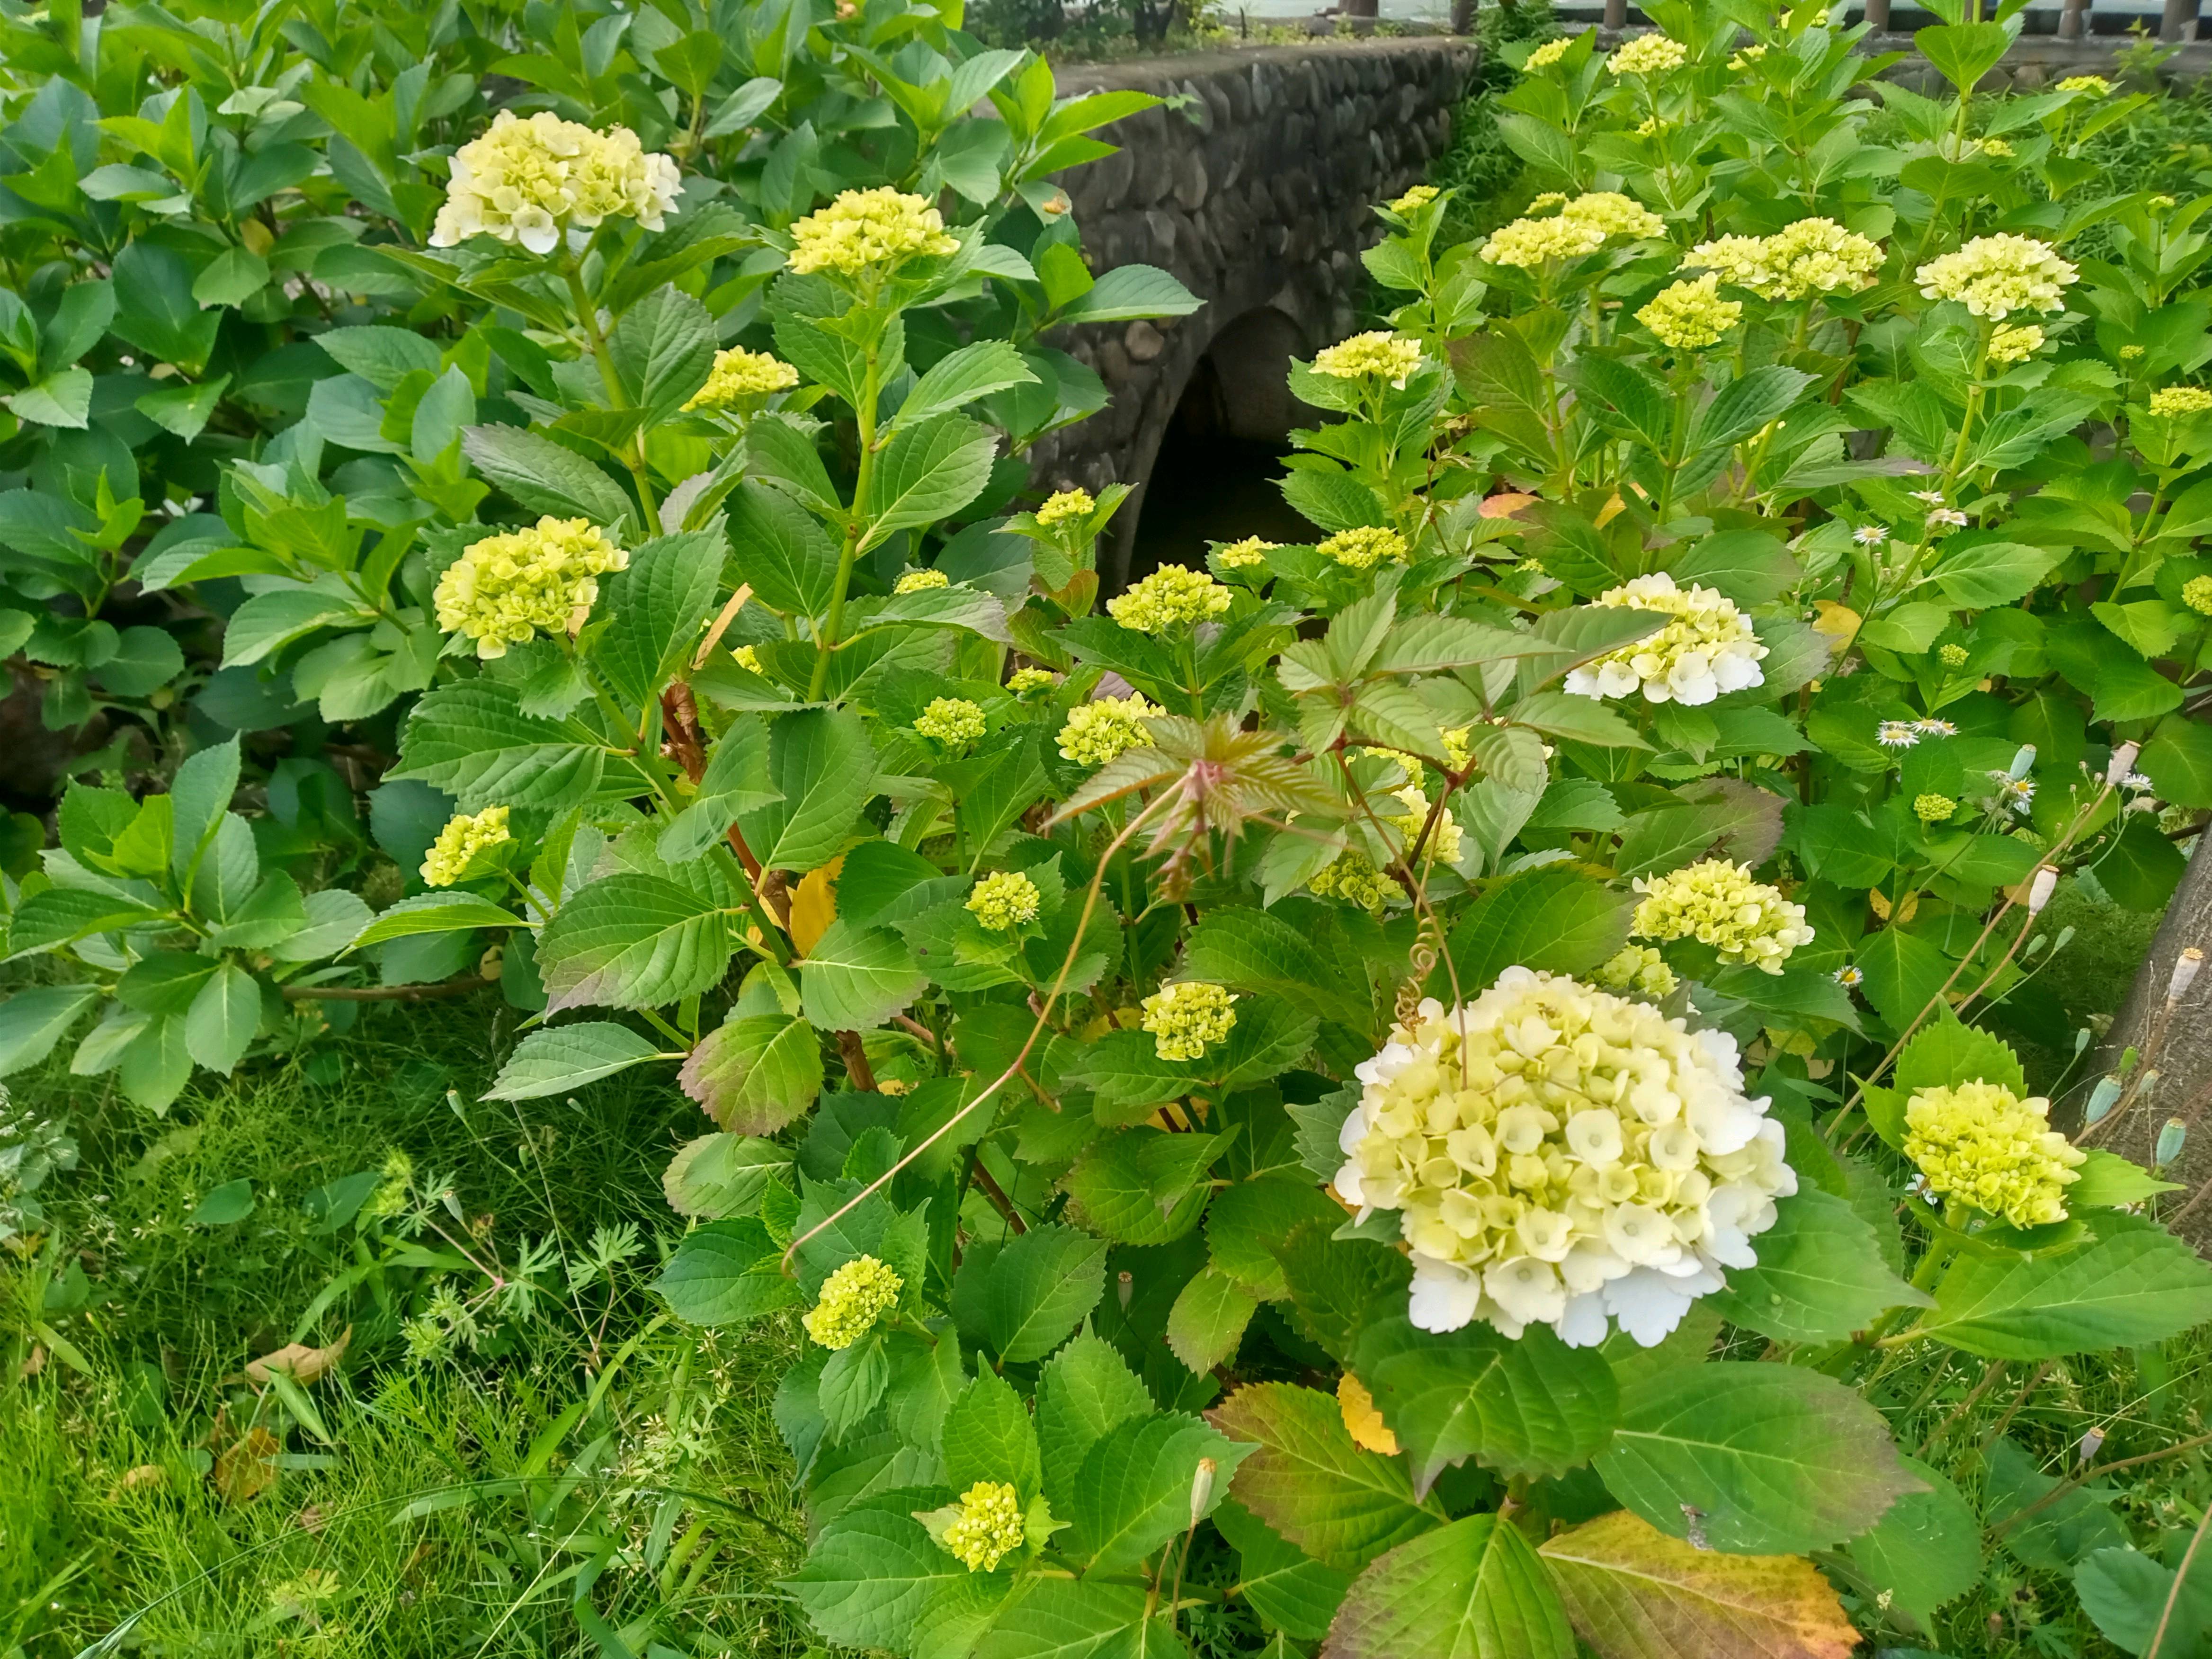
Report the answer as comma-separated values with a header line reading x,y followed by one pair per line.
x,y
826,642
587,315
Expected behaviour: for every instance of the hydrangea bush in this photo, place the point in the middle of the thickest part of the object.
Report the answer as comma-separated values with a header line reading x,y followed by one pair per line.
x,y
1401,1088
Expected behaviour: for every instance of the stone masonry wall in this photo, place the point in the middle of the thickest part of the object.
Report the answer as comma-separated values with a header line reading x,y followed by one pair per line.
x,y
1258,195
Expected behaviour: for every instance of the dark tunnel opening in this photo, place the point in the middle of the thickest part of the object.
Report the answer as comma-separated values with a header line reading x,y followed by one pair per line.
x,y
1214,478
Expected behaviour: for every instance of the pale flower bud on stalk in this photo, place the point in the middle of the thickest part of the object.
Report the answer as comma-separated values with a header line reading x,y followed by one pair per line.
x,y
2091,1443
1201,1489
1126,1288
2041,889
2169,1140
2102,1098
2185,975
2023,762
2123,762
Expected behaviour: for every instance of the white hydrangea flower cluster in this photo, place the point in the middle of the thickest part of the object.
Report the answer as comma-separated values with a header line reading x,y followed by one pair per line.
x,y
531,181
1560,1156
1997,275
1709,648
1812,256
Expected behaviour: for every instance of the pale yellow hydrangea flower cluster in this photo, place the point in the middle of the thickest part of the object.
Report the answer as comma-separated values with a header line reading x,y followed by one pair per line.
x,y
1005,901
990,1527
920,581
1690,316
1548,54
1637,971
1647,54
505,588
853,1299
1443,844
1351,876
865,231
1188,1017
1580,226
1098,731
1996,276
1022,681
1064,507
1812,256
1932,808
460,840
1415,199
747,657
1377,355
2196,594
2015,342
1998,148
2169,402
1242,555
1708,649
951,719
2091,83
1172,597
1719,903
1561,1156
1983,1144
737,375
1751,54
530,180
1364,546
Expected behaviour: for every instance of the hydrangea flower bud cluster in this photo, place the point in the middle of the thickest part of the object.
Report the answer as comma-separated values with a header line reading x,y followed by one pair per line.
x,y
1415,199
1377,355
531,180
1997,275
1932,808
1981,1144
1580,226
2016,344
1708,649
738,374
1812,256
1561,1156
1364,546
1172,597
1548,54
1023,681
505,588
1718,904
2096,84
2170,402
853,1299
1098,731
1241,555
1647,54
1637,971
1065,506
990,1527
919,581
1690,316
2196,594
868,231
1005,901
1188,1017
951,719
1351,876
460,840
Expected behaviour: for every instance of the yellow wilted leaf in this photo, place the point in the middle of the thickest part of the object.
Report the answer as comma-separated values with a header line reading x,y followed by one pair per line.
x,y
1612,510
1633,1591
1506,504
247,1468
814,905
1838,622
1879,901
1361,1420
303,1364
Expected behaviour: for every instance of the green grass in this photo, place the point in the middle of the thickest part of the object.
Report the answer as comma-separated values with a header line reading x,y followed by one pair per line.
x,y
462,1505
